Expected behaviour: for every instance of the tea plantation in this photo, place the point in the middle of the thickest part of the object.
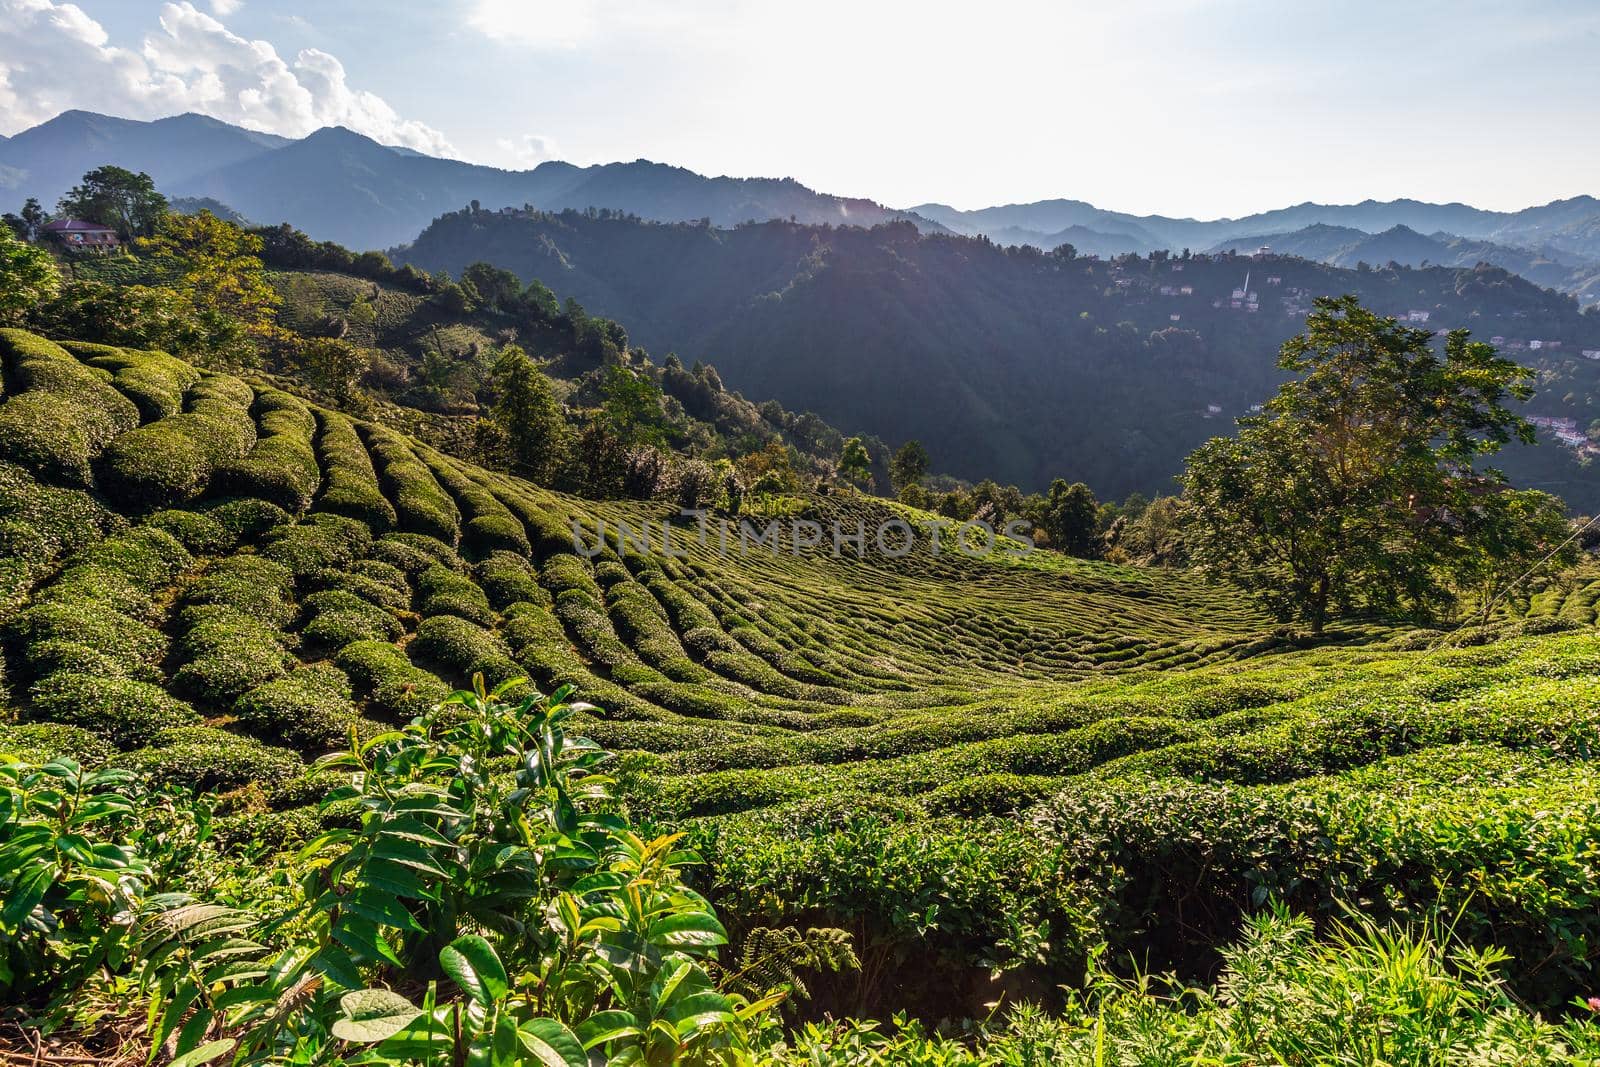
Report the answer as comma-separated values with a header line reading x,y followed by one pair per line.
x,y
998,772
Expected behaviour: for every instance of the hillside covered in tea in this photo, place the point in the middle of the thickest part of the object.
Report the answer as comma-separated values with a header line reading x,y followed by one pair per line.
x,y
997,772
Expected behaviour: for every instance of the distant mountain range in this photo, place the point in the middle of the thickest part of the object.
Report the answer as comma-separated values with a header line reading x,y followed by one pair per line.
x,y
341,186
1345,246
1556,244
1008,363
338,185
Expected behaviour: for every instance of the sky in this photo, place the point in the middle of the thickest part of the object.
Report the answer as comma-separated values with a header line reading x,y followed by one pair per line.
x,y
1200,108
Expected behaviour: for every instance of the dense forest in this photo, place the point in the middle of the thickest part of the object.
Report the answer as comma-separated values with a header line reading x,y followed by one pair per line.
x,y
1010,363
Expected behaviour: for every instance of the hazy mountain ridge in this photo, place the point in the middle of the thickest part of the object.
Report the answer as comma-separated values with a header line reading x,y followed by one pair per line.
x,y
1005,363
342,186
339,185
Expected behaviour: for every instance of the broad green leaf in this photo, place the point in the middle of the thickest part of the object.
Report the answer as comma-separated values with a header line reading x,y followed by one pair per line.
x,y
205,1053
472,964
27,893
372,1015
380,907
363,936
606,1026
552,1044
697,928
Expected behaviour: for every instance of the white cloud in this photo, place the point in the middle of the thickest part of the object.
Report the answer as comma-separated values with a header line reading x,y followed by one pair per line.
x,y
549,24
226,7
53,56
521,153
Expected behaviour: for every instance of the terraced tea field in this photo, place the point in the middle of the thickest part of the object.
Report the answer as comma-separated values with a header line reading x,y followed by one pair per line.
x,y
214,581
184,510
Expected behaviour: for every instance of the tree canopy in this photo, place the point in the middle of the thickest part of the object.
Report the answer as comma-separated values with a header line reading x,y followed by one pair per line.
x,y
908,466
855,463
28,277
1356,487
527,415
216,270
119,198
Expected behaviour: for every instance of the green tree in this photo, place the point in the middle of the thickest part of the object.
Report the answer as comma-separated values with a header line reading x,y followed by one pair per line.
x,y
119,198
526,412
1071,519
28,278
332,365
855,463
215,267
1355,488
908,466
632,405
1505,533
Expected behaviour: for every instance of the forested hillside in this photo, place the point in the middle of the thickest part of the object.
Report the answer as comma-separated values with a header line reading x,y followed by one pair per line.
x,y
1009,363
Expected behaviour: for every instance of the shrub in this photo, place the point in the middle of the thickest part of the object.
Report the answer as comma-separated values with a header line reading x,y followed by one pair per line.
x,y
255,587
464,648
227,653
421,505
338,618
199,533
490,524
149,558
134,647
444,592
124,712
396,689
210,760
307,787
371,580
110,589
282,467
319,542
990,794
507,578
351,488
61,414
248,519
38,525
172,460
415,553
40,742
309,710
47,657
154,381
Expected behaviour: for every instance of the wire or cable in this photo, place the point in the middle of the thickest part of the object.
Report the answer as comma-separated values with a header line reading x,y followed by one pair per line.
x,y
1494,601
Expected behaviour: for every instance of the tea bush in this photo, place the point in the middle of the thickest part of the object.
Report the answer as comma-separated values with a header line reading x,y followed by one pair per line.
x,y
172,460
125,712
154,381
395,689
351,487
58,415
421,505
282,467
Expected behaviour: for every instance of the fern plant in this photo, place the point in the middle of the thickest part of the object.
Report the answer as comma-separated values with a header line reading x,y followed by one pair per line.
x,y
775,957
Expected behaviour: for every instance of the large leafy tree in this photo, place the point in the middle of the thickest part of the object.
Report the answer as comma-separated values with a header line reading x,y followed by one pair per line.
x,y
1071,519
1356,487
908,466
119,198
215,268
28,278
527,415
855,463
632,406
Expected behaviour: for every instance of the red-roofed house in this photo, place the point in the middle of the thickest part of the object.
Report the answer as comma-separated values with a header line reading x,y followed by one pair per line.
x,y
75,233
